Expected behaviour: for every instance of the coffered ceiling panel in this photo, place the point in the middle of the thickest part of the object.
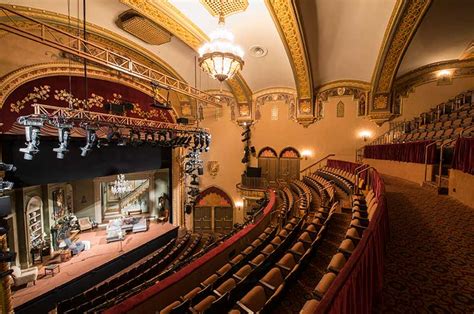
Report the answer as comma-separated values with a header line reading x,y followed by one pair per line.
x,y
343,38
445,32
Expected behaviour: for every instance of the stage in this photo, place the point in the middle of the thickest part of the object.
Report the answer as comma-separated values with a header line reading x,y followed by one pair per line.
x,y
88,268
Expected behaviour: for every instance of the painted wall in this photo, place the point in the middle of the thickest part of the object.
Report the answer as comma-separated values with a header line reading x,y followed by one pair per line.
x,y
84,199
460,186
406,170
427,96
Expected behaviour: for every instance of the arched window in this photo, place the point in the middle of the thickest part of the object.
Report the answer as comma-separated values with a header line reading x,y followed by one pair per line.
x,y
289,165
213,211
268,162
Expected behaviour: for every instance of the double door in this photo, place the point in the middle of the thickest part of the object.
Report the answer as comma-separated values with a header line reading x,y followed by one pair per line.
x,y
213,218
282,168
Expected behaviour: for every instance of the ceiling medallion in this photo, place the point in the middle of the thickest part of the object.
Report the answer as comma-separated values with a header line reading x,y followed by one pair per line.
x,y
221,58
258,51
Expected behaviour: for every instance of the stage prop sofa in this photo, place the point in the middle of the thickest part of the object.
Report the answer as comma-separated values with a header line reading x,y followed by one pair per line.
x,y
24,276
75,247
140,226
84,223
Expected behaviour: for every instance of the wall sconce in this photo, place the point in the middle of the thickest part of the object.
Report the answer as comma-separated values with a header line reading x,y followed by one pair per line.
x,y
445,77
239,204
306,153
365,135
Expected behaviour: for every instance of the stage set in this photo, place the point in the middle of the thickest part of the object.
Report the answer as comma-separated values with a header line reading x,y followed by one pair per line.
x,y
99,262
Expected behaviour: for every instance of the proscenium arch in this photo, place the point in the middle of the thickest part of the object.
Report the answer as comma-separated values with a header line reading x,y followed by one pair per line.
x,y
10,82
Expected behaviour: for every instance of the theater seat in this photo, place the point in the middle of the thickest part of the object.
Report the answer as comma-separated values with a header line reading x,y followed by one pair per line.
x,y
170,307
273,279
258,260
337,262
298,248
310,307
210,280
276,241
226,286
347,246
244,270
254,300
287,262
324,284
237,259
205,304
224,269
268,250
191,294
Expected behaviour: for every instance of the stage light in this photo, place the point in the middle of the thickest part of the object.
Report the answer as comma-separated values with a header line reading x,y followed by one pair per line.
x,y
5,185
200,170
32,133
7,167
64,134
194,180
91,140
193,192
150,138
135,138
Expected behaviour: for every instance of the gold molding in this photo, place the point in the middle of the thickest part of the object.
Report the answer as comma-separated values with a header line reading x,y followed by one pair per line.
x,y
14,79
169,17
285,19
362,85
101,35
401,29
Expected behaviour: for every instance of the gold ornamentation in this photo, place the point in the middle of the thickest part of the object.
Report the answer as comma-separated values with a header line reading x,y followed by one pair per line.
x,y
285,20
340,109
97,34
213,168
143,28
39,93
213,199
381,102
225,8
149,114
186,109
305,106
244,110
93,101
409,20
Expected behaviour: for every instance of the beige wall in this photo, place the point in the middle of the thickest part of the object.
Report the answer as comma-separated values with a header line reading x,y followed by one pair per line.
x,y
461,186
427,96
84,198
406,170
329,135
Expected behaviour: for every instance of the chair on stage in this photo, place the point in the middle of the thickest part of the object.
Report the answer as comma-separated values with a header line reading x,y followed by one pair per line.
x,y
75,247
84,224
24,276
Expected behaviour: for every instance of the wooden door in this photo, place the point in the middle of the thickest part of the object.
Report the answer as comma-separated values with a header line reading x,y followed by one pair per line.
x,y
202,218
289,168
223,219
269,168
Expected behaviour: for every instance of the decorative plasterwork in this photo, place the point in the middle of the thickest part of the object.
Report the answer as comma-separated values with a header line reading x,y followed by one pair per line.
x,y
286,21
169,17
11,81
405,20
99,35
225,8
287,95
468,53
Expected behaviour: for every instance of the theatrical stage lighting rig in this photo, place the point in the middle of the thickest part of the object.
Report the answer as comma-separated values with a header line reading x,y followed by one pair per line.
x,y
156,103
135,138
150,138
64,135
32,134
7,167
91,140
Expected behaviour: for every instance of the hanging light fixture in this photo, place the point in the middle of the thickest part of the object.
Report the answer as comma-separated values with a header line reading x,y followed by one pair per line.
x,y
220,57
121,186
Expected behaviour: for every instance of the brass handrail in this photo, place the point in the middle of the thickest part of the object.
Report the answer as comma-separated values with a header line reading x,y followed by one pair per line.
x,y
317,162
356,189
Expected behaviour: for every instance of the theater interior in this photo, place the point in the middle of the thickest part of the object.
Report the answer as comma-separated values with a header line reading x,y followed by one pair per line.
x,y
236,156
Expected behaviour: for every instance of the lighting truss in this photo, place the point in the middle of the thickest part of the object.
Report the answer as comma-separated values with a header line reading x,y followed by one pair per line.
x,y
73,44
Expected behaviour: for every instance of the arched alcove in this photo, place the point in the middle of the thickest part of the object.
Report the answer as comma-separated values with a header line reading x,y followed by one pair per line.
x,y
213,211
268,162
289,164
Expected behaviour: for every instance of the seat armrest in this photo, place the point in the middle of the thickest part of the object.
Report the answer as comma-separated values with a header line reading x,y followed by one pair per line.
x,y
332,269
346,253
269,286
283,267
254,265
243,307
217,293
237,277
294,252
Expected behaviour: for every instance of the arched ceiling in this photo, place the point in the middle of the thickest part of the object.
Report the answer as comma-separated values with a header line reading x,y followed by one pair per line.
x,y
343,38
445,33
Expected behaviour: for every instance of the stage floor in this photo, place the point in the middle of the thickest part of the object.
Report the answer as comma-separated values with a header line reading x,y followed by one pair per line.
x,y
100,253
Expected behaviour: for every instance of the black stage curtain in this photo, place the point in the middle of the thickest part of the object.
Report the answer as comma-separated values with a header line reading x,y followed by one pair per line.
x,y
46,168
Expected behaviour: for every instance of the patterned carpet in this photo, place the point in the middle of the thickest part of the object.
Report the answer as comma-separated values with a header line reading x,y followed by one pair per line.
x,y
429,266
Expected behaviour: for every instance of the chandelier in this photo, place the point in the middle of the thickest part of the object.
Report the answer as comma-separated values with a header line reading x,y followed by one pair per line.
x,y
121,186
221,58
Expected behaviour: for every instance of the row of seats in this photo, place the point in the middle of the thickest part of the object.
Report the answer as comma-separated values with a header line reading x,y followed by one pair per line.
x,y
362,212
445,135
344,184
262,296
200,294
348,176
304,195
95,296
324,187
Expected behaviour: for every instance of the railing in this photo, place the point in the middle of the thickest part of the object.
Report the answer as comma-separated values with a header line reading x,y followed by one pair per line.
x,y
53,114
356,185
73,44
396,128
254,183
440,168
357,177
307,170
426,157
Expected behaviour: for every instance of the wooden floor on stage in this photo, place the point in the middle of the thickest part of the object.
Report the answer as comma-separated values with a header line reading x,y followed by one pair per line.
x,y
99,253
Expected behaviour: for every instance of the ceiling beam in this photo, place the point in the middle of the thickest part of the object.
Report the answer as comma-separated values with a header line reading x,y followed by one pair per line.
x,y
286,20
405,20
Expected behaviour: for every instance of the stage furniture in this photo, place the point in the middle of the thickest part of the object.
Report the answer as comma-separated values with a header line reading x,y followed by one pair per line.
x,y
24,276
75,247
65,255
84,223
51,269
87,245
140,226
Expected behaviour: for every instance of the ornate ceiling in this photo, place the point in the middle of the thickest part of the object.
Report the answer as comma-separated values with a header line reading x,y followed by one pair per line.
x,y
314,46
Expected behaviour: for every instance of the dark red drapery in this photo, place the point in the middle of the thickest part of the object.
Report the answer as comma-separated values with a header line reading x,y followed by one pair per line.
x,y
464,155
407,152
344,165
359,283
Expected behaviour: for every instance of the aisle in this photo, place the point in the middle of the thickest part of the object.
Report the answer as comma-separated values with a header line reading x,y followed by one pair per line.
x,y
429,266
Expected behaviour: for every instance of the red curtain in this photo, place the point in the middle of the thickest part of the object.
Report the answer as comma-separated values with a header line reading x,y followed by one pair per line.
x,y
359,283
407,152
464,155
